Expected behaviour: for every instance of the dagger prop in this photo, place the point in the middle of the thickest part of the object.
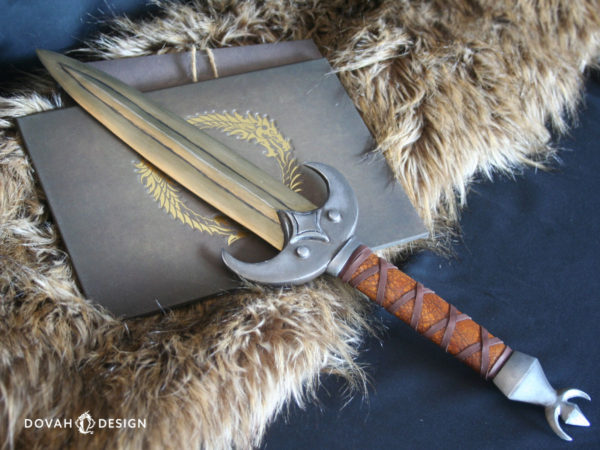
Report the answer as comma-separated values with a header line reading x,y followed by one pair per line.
x,y
312,240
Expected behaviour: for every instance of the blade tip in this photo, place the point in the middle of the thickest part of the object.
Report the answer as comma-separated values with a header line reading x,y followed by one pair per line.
x,y
45,56
42,53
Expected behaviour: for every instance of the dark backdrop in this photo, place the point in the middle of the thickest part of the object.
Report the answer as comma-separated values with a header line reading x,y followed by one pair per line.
x,y
526,266
56,25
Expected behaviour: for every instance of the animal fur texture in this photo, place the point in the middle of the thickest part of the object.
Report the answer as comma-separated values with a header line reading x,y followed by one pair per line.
x,y
451,90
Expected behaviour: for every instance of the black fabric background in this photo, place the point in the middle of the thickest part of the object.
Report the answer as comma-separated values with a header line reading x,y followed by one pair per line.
x,y
526,266
52,25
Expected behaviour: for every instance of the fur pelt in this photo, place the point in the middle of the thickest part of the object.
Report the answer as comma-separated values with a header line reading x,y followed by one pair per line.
x,y
450,90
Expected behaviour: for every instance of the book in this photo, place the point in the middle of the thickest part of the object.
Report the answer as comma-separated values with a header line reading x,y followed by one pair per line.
x,y
139,242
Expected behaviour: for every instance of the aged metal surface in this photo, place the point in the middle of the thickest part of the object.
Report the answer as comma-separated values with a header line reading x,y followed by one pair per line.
x,y
205,166
312,238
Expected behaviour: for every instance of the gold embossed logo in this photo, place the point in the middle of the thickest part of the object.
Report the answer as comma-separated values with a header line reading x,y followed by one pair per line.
x,y
251,127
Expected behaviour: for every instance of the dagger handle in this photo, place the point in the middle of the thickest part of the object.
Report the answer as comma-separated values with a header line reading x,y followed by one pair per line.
x,y
425,312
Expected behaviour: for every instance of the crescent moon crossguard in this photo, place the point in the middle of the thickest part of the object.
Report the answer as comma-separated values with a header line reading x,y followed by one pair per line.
x,y
313,240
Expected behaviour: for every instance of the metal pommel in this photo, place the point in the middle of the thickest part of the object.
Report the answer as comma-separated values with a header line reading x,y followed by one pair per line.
x,y
313,238
522,379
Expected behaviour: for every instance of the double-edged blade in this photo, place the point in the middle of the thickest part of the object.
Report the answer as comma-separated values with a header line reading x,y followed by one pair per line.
x,y
203,165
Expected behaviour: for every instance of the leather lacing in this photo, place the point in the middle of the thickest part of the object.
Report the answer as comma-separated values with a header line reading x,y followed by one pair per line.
x,y
448,324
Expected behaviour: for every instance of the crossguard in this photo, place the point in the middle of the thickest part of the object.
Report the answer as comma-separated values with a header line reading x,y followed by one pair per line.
x,y
312,238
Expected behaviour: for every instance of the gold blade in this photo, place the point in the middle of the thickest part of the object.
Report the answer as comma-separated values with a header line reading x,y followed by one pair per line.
x,y
191,157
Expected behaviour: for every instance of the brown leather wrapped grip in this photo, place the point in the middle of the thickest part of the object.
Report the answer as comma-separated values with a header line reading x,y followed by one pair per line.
x,y
426,312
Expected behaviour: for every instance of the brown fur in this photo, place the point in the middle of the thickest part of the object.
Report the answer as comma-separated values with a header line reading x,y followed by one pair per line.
x,y
450,89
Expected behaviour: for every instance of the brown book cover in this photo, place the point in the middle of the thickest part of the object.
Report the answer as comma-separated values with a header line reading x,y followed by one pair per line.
x,y
139,242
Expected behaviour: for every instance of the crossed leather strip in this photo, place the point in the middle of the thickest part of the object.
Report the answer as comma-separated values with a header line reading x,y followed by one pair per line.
x,y
363,265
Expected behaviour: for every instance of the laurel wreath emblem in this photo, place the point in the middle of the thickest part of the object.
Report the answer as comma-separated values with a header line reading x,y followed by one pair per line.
x,y
251,127
261,130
